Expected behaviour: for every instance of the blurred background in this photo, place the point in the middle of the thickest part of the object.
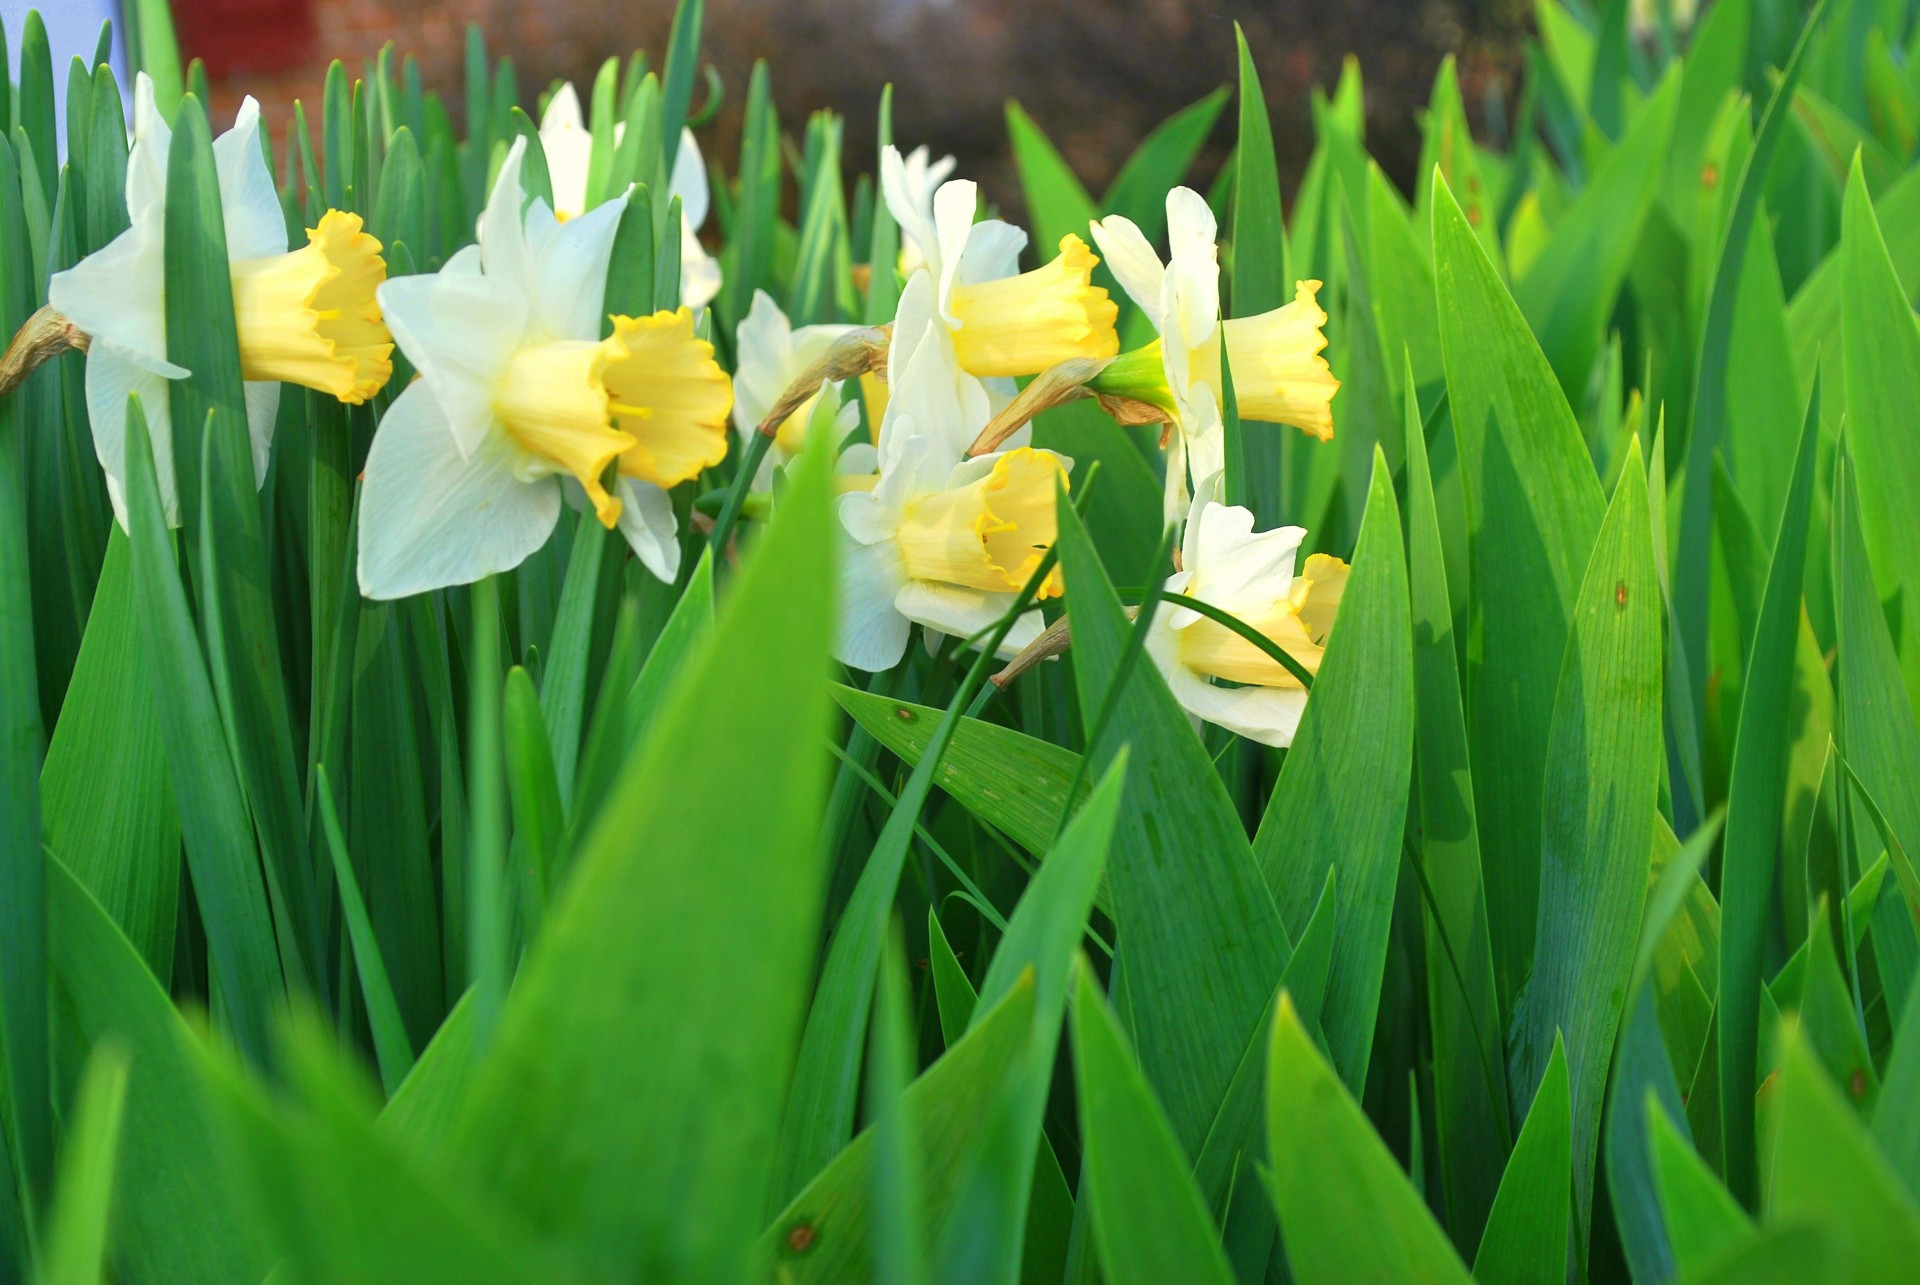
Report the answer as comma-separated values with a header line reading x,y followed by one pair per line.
x,y
1095,74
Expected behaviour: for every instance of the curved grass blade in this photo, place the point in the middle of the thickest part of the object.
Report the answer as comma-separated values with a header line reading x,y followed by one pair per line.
x,y
1470,1105
820,1107
213,812
179,1216
1883,385
632,1131
1707,418
1202,941
1014,782
822,1234
1756,797
390,1046
1341,802
1601,786
74,1251
1529,1227
1533,507
1148,1218
1332,1175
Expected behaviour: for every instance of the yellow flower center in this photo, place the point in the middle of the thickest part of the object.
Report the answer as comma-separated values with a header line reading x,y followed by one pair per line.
x,y
555,403
669,398
1021,325
991,533
309,317
1299,622
1279,376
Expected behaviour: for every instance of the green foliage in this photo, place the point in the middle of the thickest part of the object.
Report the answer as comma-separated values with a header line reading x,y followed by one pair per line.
x,y
575,924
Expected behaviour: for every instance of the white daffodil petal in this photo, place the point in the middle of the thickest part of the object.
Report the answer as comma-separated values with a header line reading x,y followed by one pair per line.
x,y
459,332
464,263
263,408
430,518
1234,566
866,518
1028,627
1125,249
1206,435
1174,497
563,111
152,141
569,156
764,344
503,247
992,252
256,225
926,392
962,612
689,181
1193,264
699,271
570,274
872,634
117,295
913,315
953,209
910,208
1269,715
110,378
859,459
652,532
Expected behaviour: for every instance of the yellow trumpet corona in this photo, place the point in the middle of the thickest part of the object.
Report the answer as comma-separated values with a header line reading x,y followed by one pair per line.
x,y
1279,376
670,396
1021,325
310,316
991,533
650,395
555,403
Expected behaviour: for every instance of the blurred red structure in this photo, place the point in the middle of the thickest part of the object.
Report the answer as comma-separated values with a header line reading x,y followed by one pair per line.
x,y
236,37
1096,74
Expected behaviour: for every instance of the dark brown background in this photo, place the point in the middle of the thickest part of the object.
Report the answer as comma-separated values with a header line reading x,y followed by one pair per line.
x,y
1096,74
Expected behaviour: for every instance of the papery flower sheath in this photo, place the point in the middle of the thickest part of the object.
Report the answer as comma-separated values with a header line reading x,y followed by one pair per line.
x,y
941,540
1002,322
568,145
306,316
517,391
1279,376
1250,575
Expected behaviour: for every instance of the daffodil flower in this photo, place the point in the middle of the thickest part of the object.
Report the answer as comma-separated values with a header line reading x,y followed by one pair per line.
x,y
518,391
568,145
1249,575
1279,376
920,176
307,317
1002,322
941,540
771,355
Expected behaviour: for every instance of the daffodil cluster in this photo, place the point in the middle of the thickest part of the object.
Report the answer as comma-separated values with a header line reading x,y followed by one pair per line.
x,y
528,395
